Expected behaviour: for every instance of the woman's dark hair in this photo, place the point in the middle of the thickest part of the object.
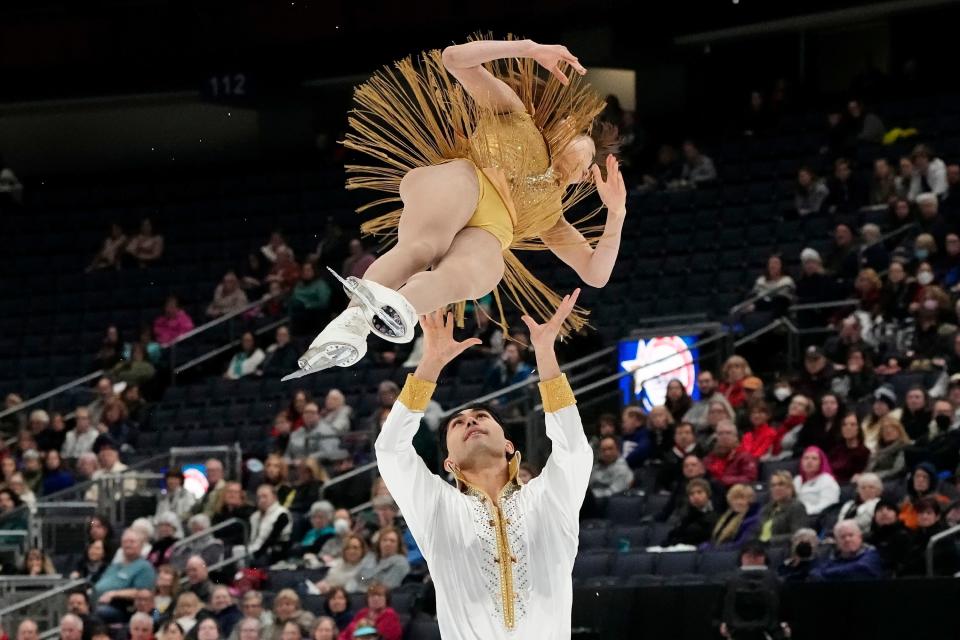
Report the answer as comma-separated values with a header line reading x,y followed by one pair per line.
x,y
174,623
678,408
442,431
334,591
17,502
106,525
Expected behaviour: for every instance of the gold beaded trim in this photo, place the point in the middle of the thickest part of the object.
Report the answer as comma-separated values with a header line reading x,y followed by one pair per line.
x,y
416,393
556,394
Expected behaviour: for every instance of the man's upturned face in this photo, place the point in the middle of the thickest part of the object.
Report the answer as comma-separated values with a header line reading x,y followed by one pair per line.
x,y
474,434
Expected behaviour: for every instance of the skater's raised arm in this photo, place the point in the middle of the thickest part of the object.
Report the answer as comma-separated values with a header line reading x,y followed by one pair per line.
x,y
417,491
465,63
564,480
594,264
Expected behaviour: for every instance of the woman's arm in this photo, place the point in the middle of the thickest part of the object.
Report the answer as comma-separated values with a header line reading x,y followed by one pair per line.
x,y
594,265
465,63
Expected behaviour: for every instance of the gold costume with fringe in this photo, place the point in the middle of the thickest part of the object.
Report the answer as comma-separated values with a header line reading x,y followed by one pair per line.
x,y
417,115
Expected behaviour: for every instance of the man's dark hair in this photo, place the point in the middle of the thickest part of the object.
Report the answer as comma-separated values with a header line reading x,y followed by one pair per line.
x,y
442,431
754,550
79,591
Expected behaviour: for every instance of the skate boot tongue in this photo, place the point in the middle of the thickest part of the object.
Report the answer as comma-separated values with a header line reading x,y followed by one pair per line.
x,y
387,312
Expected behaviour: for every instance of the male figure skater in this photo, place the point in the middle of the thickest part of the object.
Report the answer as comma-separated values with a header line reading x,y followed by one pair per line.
x,y
500,552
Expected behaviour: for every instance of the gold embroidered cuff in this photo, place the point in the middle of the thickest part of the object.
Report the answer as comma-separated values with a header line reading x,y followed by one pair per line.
x,y
556,394
416,393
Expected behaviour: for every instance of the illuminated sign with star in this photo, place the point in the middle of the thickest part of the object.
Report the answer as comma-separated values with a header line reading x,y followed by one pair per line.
x,y
654,362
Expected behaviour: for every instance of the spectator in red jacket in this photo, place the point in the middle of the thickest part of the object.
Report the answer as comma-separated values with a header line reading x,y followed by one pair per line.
x,y
173,323
377,614
735,370
849,456
761,437
728,464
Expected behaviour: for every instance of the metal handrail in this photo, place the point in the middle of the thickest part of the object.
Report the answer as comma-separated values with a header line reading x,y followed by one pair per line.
x,y
40,597
226,562
952,531
170,345
224,318
46,395
179,544
735,309
346,476
849,302
231,345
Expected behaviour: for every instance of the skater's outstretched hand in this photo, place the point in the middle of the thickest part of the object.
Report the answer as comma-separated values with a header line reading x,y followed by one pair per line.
x,y
543,336
439,345
549,56
612,191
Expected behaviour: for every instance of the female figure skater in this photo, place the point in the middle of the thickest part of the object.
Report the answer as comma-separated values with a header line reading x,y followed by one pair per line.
x,y
482,166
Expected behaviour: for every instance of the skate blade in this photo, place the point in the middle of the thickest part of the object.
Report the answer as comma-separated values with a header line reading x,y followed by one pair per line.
x,y
361,294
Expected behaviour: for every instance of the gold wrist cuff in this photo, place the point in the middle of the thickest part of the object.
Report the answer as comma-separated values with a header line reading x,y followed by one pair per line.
x,y
556,394
416,393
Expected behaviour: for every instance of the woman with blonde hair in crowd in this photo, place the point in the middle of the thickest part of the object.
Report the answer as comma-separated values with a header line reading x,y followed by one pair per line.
x,y
884,404
735,370
389,566
186,610
166,587
276,472
37,563
783,514
345,570
887,460
739,523
287,608
326,629
867,288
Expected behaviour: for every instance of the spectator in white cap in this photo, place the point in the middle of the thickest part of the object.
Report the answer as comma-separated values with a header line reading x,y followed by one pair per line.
x,y
884,404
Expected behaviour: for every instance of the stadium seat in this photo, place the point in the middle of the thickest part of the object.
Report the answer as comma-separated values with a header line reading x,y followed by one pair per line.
x,y
590,564
634,563
676,563
625,509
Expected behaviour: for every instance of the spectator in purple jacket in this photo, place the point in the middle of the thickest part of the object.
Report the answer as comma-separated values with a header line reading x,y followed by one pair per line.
x,y
173,323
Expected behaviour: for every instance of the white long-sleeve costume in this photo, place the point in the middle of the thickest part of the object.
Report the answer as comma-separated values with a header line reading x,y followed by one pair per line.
x,y
501,571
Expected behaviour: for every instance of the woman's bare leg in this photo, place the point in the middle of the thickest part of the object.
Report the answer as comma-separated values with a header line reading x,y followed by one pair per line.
x,y
437,203
471,268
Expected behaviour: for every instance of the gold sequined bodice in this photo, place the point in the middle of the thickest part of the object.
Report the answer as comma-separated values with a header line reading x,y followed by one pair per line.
x,y
512,143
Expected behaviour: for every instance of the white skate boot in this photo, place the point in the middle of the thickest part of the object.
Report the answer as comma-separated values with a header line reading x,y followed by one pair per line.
x,y
342,343
387,312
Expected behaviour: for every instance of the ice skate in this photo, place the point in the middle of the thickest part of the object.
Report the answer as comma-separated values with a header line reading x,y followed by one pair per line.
x,y
342,343
387,312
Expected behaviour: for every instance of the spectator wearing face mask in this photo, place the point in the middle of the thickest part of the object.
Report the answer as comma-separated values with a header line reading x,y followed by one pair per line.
x,y
342,528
